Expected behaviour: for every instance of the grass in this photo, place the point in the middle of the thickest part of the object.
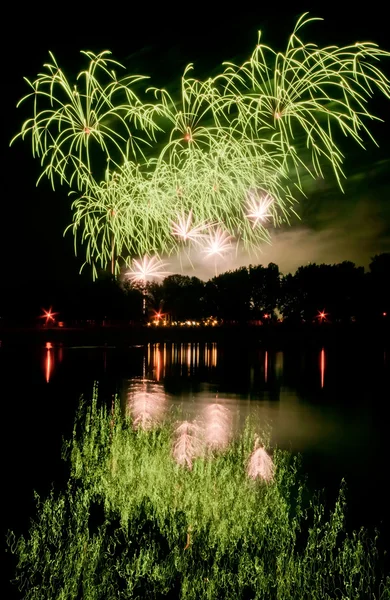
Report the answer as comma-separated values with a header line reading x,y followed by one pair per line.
x,y
132,523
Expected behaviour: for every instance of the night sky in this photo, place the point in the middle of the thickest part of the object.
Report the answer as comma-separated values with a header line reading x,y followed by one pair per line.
x,y
333,227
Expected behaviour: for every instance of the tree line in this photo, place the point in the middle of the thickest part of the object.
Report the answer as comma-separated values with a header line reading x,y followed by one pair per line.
x,y
340,292
335,293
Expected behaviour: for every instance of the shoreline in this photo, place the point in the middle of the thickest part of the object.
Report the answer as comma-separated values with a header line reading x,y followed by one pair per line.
x,y
271,335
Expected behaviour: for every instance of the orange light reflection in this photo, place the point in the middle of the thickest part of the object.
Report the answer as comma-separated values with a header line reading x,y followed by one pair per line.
x,y
49,361
158,362
322,367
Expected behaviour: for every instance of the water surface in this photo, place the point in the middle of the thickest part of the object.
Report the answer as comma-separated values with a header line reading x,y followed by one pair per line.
x,y
330,404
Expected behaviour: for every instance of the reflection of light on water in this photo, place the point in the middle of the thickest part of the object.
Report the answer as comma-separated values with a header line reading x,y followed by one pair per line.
x,y
190,356
218,426
49,361
146,403
291,424
266,366
157,354
188,444
260,464
322,367
279,363
211,355
214,355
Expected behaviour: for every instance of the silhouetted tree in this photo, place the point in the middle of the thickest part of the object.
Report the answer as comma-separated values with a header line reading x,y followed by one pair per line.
x,y
265,290
335,289
183,297
378,285
155,296
230,295
292,296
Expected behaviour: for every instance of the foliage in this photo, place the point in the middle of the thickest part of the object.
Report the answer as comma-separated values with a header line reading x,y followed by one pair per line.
x,y
132,523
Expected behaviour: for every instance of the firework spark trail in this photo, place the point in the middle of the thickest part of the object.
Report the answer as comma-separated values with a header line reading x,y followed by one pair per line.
x,y
146,269
221,137
183,229
76,118
217,243
258,207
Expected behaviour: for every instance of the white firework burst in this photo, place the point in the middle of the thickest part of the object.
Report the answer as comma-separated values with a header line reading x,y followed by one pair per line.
x,y
146,269
258,208
218,243
182,228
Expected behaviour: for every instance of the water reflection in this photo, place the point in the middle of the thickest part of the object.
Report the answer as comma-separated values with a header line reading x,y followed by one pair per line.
x,y
49,361
222,386
259,373
218,426
189,357
322,367
146,403
52,354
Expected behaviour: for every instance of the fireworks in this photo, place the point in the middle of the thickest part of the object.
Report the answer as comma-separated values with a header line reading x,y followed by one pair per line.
x,y
146,269
218,243
78,117
258,208
177,164
183,229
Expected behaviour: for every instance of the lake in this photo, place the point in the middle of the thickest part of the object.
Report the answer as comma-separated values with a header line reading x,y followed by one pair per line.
x,y
331,404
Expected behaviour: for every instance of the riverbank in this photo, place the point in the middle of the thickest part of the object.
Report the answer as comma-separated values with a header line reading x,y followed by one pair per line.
x,y
273,335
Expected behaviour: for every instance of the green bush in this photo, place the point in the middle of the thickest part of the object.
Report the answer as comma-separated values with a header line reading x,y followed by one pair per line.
x,y
134,524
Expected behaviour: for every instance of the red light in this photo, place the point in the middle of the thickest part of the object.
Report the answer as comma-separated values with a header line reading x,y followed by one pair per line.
x,y
322,315
266,316
384,314
48,315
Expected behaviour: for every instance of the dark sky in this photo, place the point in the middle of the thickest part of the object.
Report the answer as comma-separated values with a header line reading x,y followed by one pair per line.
x,y
160,42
